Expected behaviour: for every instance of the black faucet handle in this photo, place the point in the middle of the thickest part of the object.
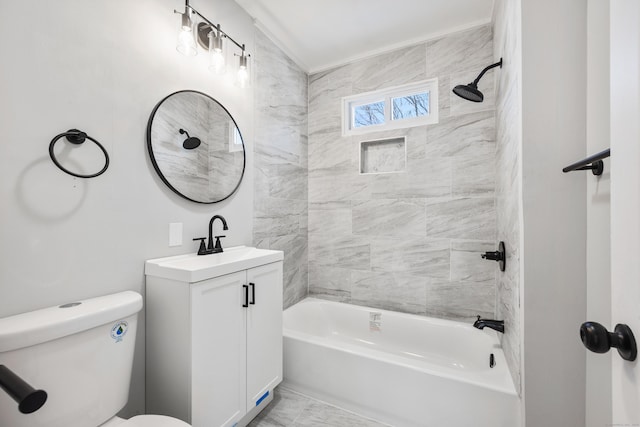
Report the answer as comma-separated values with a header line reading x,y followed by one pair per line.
x,y
218,246
203,249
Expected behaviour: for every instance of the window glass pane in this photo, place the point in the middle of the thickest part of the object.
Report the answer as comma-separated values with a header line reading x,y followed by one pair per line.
x,y
368,114
415,105
235,139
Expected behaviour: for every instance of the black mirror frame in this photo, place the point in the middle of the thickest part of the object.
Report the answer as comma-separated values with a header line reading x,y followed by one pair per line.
x,y
155,164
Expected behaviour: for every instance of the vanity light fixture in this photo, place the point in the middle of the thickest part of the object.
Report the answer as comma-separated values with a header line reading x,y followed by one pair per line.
x,y
242,78
211,38
217,63
186,39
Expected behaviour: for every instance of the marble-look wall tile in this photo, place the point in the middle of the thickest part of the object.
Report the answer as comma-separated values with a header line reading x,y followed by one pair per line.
x,y
389,291
329,150
417,256
508,177
280,163
466,263
380,239
330,283
470,134
288,181
331,222
346,252
338,183
474,175
462,218
389,69
466,50
295,266
423,178
460,300
394,217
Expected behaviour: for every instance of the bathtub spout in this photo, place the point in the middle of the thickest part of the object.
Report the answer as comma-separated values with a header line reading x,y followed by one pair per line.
x,y
496,325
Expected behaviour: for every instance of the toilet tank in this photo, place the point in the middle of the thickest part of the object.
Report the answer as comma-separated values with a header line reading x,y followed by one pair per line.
x,y
80,353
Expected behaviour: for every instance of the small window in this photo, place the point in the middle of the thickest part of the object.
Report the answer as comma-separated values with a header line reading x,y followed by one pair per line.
x,y
368,114
235,140
397,107
406,107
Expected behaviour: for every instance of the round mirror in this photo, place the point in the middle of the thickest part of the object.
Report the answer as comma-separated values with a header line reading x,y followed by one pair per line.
x,y
196,147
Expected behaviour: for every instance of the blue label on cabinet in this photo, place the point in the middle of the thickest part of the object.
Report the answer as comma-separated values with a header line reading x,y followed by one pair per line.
x,y
264,396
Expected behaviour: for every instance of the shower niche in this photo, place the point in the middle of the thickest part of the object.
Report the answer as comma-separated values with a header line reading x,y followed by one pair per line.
x,y
387,155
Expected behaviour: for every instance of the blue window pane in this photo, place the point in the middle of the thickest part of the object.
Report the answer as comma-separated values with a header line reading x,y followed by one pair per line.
x,y
411,106
369,114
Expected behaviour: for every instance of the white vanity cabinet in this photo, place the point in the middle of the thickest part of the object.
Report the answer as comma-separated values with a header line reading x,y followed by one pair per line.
x,y
214,346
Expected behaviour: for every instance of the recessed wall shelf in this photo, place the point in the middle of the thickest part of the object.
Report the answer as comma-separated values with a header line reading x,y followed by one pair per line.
x,y
593,163
383,156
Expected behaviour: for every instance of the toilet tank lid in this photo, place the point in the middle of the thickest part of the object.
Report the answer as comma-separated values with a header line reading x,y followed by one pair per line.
x,y
35,327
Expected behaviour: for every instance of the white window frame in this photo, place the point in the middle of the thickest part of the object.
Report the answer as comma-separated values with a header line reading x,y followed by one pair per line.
x,y
349,103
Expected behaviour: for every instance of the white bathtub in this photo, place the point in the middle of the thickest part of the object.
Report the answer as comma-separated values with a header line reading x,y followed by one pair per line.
x,y
397,368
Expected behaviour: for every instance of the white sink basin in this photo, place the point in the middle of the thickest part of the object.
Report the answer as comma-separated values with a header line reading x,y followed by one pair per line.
x,y
194,268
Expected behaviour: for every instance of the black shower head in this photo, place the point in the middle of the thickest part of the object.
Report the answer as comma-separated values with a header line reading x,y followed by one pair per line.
x,y
191,142
470,92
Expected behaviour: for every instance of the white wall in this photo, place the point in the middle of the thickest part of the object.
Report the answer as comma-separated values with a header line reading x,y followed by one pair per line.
x,y
598,397
101,67
554,238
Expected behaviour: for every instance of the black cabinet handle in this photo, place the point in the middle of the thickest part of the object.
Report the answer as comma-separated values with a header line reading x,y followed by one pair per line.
x,y
29,399
253,293
246,296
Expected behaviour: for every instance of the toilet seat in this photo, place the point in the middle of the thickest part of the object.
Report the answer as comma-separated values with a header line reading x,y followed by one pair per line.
x,y
153,421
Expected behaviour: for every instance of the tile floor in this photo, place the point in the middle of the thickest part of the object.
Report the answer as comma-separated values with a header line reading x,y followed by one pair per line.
x,y
291,409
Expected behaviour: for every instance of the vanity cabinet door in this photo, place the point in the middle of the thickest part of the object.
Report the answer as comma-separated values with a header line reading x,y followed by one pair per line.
x,y
218,376
264,331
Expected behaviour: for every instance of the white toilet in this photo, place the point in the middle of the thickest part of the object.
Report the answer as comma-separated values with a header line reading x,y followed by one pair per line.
x,y
81,355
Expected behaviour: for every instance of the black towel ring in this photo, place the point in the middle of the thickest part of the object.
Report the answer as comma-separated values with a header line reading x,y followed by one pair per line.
x,y
77,137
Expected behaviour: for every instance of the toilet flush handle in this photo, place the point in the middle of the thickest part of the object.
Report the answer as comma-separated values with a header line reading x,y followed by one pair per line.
x,y
29,399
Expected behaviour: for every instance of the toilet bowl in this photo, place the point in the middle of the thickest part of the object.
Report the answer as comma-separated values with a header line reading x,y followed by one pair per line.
x,y
81,355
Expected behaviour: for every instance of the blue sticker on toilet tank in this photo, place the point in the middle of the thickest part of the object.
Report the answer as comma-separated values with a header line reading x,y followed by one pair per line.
x,y
119,330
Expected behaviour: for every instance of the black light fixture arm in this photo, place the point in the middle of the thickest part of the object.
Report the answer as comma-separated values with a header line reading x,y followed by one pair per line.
x,y
497,64
212,25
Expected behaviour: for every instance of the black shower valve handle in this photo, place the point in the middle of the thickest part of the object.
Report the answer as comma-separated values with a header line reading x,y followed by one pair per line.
x,y
500,255
495,256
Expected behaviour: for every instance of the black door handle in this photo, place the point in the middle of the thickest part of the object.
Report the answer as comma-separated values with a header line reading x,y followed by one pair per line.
x,y
246,296
596,338
253,293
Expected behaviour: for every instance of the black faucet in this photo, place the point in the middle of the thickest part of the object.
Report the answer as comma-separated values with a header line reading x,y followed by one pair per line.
x,y
496,325
210,248
218,247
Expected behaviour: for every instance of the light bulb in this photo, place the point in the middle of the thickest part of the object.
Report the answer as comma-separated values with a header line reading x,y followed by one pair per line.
x,y
243,77
186,40
216,53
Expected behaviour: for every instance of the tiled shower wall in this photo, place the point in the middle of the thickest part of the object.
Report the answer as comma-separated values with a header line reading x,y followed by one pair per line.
x,y
407,241
509,175
280,163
